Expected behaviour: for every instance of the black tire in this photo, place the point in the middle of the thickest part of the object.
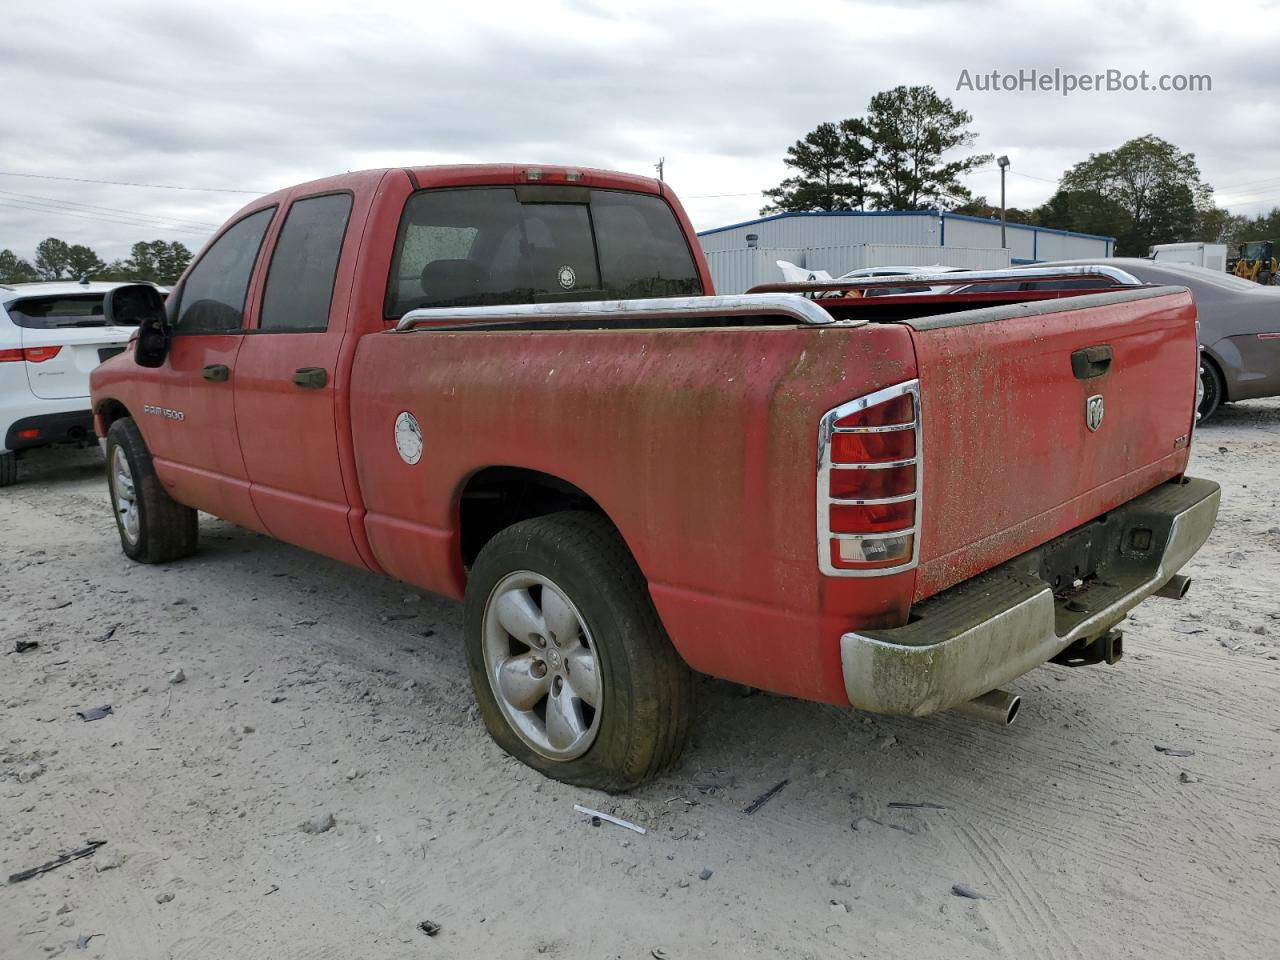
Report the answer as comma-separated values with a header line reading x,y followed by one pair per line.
x,y
165,529
1214,389
8,469
647,690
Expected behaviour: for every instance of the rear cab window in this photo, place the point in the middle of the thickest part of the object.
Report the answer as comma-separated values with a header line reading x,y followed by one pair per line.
x,y
54,312
481,246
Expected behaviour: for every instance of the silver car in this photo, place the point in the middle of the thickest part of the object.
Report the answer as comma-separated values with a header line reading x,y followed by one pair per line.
x,y
1239,326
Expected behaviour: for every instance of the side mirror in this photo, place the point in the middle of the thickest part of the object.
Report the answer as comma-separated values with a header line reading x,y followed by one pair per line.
x,y
140,305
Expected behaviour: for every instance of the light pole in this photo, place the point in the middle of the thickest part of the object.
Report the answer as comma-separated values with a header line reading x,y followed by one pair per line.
x,y
1004,165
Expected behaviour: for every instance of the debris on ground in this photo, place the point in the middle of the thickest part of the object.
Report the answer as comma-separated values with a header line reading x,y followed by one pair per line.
x,y
905,805
960,890
83,942
1185,777
765,797
22,646
1175,751
109,635
321,824
86,851
706,873
94,713
887,742
177,676
108,861
616,821
164,897
429,927
392,617
838,906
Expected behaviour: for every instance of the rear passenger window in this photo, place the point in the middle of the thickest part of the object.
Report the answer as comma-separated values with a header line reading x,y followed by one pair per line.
x,y
305,263
212,299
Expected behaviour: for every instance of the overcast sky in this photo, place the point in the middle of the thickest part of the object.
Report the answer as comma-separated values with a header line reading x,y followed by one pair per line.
x,y
257,96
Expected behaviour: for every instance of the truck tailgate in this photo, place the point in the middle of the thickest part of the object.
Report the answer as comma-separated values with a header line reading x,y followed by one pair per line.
x,y
1012,455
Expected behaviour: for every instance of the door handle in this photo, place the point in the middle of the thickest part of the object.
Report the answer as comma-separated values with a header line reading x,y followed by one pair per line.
x,y
1091,362
310,378
216,373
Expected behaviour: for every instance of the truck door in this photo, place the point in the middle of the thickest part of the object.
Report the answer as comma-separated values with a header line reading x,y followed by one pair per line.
x,y
289,379
187,413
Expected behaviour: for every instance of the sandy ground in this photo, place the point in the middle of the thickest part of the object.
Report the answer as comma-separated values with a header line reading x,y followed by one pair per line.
x,y
312,689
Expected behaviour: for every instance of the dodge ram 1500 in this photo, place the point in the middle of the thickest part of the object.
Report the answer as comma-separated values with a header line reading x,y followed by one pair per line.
x,y
514,385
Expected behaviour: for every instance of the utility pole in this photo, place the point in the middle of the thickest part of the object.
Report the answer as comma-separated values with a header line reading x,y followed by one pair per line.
x,y
1004,165
662,162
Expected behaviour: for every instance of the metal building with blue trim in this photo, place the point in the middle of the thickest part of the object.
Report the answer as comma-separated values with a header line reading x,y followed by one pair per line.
x,y
1027,244
833,241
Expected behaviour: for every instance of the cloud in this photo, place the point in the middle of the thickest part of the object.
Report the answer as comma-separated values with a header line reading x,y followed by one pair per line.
x,y
249,96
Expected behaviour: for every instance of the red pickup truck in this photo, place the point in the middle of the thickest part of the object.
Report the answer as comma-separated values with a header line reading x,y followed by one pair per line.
x,y
514,385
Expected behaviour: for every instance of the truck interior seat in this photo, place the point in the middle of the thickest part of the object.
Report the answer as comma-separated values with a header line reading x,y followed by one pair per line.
x,y
445,281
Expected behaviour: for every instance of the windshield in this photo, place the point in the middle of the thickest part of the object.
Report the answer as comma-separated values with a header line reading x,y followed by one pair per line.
x,y
486,246
49,313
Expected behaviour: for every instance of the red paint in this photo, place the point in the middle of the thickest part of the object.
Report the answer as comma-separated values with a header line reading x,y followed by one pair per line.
x,y
699,444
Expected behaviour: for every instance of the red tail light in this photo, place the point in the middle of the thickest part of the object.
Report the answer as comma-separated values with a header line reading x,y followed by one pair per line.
x,y
10,356
40,354
872,484
872,447
873,518
869,484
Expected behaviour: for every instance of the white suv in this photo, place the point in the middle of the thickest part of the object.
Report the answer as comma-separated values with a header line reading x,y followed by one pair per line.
x,y
51,336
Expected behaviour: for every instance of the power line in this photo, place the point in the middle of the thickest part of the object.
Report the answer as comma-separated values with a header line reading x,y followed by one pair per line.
x,y
22,205
125,183
1019,173
1249,183
73,204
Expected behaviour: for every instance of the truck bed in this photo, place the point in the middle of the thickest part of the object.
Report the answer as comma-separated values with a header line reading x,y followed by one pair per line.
x,y
696,433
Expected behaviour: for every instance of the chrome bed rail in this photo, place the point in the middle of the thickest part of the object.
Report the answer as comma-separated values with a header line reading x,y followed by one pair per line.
x,y
786,305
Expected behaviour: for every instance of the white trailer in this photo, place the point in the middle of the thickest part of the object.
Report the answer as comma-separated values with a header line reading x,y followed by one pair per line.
x,y
1212,256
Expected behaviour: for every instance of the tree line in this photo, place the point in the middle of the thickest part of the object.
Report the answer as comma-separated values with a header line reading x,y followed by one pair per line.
x,y
157,261
903,155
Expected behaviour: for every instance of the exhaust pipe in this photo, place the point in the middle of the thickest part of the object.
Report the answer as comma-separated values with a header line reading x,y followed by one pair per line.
x,y
998,706
1176,588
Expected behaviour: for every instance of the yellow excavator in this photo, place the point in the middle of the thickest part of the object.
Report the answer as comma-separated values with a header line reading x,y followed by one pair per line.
x,y
1257,262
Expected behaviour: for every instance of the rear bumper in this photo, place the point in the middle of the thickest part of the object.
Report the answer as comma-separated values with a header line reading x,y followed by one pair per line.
x,y
997,626
50,428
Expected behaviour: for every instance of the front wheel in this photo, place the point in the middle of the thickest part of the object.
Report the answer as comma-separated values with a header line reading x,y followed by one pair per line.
x,y
154,528
570,665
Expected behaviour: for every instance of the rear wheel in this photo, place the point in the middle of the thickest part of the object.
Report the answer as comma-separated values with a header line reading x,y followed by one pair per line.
x,y
8,468
1214,390
571,668
154,528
